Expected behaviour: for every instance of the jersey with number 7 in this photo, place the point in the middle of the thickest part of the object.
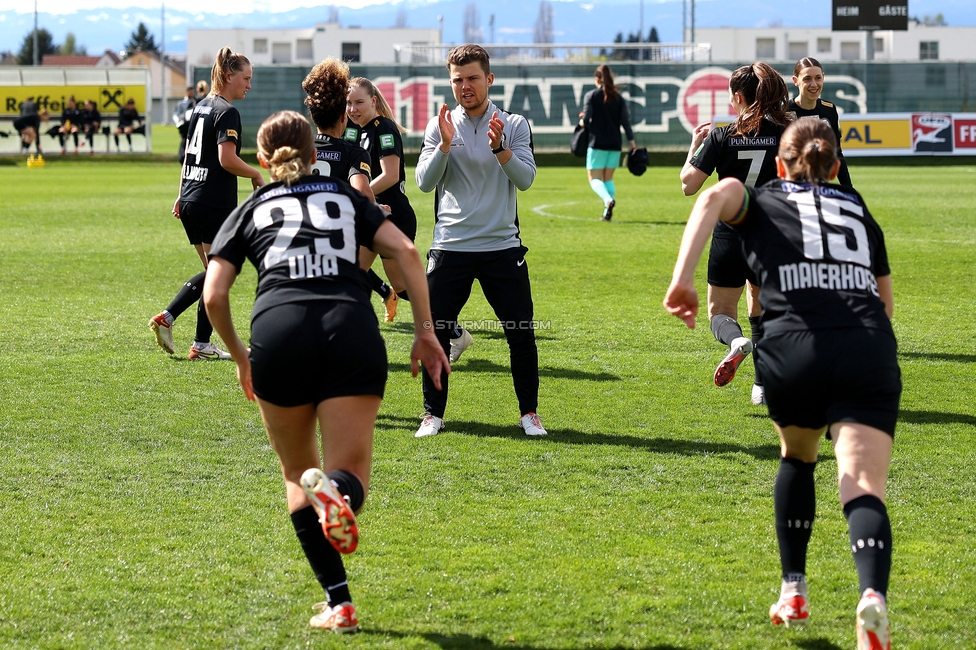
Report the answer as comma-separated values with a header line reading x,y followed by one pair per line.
x,y
750,158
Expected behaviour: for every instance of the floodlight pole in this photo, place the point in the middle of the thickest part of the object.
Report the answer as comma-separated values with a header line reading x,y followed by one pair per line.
x,y
640,29
36,58
162,59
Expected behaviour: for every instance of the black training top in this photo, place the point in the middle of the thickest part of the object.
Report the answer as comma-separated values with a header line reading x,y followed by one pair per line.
x,y
72,115
91,117
214,121
338,158
817,252
303,240
381,137
750,158
826,112
127,116
605,120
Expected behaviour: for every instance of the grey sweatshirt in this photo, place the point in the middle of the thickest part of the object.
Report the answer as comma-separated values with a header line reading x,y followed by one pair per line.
x,y
475,209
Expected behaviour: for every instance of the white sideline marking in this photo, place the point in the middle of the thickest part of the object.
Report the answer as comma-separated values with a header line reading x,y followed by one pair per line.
x,y
542,210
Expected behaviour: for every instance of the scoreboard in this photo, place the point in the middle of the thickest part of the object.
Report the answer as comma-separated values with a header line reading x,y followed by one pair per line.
x,y
869,15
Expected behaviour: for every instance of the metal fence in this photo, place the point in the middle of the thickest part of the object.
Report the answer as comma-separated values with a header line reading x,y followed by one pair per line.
x,y
418,54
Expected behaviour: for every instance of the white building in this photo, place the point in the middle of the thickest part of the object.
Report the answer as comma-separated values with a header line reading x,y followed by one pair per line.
x,y
919,43
308,46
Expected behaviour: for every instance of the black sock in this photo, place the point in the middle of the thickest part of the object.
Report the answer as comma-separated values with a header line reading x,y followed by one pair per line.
x,y
755,324
74,136
204,328
725,329
116,141
870,534
376,284
128,138
456,332
349,486
402,295
326,562
188,294
795,504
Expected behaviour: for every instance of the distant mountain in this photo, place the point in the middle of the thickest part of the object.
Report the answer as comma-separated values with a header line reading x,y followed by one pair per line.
x,y
574,21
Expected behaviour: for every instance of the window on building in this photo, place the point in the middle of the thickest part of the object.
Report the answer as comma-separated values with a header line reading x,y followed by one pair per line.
x,y
260,46
824,45
281,52
350,52
765,48
798,50
928,50
878,45
850,51
303,49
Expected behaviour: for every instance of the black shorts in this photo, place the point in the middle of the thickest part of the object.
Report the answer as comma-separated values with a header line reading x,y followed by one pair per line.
x,y
308,352
25,121
202,222
815,378
406,221
727,262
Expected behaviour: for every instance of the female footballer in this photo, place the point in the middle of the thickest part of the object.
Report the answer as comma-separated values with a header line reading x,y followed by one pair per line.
x,y
828,358
604,113
808,77
380,136
326,88
208,190
316,353
744,150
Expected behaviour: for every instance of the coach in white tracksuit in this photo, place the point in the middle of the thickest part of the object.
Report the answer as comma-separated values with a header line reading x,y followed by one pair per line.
x,y
475,157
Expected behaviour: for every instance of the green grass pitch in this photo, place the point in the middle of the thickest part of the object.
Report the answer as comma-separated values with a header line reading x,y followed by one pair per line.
x,y
141,505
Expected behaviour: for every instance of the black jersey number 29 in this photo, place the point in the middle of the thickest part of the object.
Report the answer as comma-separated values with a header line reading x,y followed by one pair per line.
x,y
332,227
831,211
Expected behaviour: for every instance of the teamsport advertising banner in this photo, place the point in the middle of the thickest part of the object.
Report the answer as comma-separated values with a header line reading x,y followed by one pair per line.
x,y
108,99
666,100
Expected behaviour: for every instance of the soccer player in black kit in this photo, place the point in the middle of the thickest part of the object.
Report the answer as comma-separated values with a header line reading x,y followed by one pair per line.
x,y
326,87
208,190
829,354
808,77
380,136
316,356
128,116
744,150
71,124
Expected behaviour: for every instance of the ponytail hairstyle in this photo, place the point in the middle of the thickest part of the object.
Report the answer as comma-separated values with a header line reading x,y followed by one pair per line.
x,y
766,95
605,77
326,87
808,149
286,144
381,106
806,62
227,63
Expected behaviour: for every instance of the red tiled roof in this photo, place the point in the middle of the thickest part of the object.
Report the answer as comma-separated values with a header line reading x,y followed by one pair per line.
x,y
63,60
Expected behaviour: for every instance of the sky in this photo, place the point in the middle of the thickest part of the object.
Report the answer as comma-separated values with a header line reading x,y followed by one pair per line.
x,y
107,24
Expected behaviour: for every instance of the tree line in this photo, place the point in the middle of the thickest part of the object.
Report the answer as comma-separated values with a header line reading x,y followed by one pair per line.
x,y
141,40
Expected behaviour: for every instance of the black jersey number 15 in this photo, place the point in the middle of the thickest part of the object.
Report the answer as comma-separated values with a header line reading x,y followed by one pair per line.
x,y
831,211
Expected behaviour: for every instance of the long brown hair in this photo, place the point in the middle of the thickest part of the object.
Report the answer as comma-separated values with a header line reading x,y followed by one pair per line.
x,y
808,149
227,63
285,142
806,62
610,91
766,97
326,87
381,106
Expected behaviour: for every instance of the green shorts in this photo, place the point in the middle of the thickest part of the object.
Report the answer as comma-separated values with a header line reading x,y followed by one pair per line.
x,y
602,159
